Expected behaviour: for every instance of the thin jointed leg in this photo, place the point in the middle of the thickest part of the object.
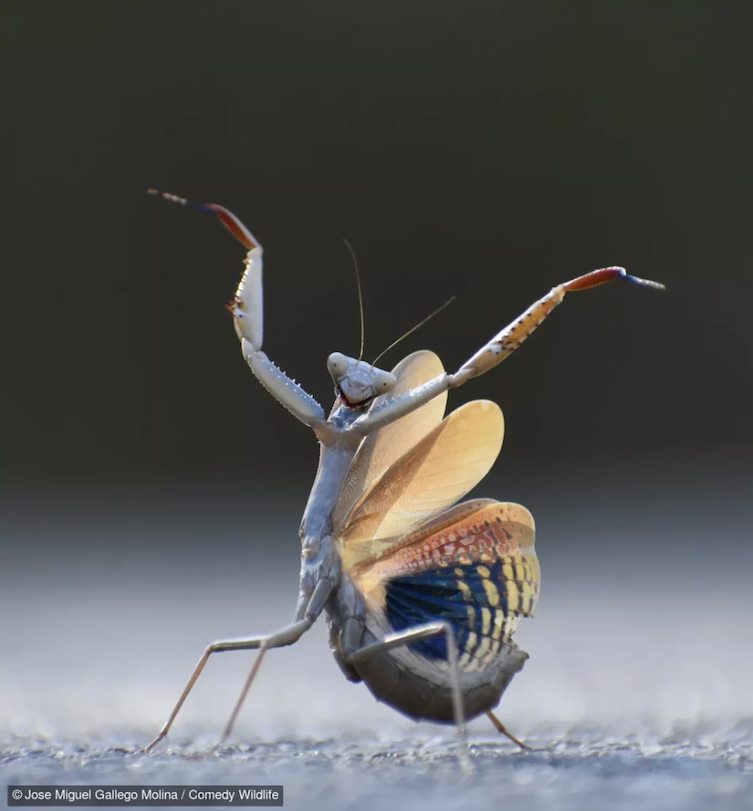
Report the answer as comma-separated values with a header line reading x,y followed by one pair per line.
x,y
313,608
501,728
244,692
285,636
416,635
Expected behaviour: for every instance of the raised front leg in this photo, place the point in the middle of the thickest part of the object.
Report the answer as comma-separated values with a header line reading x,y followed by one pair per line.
x,y
511,337
494,352
248,318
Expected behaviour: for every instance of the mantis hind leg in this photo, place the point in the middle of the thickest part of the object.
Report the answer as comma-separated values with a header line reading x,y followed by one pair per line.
x,y
503,730
416,635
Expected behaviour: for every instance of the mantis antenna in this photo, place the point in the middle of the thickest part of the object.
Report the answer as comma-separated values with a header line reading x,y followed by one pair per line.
x,y
360,291
413,329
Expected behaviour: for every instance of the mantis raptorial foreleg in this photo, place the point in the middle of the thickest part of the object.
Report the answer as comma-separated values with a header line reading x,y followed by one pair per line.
x,y
512,336
248,319
247,311
286,391
246,308
494,352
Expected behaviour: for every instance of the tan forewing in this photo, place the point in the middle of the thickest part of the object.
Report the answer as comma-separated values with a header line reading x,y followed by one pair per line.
x,y
380,450
430,477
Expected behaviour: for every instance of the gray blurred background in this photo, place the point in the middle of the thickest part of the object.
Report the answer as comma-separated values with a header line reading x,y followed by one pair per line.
x,y
150,491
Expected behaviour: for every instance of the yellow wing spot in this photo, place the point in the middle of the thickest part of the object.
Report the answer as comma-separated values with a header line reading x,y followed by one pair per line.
x,y
520,572
528,597
499,621
486,620
513,597
471,615
491,591
493,651
465,590
466,660
483,571
507,572
483,648
459,572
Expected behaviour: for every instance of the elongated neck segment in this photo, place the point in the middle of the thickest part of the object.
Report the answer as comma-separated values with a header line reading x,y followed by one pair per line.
x,y
334,464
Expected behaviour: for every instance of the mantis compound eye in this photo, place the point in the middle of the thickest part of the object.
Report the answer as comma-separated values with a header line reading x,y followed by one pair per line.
x,y
383,382
337,365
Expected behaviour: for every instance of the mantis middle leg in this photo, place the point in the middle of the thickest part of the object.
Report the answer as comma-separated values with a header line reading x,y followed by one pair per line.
x,y
287,635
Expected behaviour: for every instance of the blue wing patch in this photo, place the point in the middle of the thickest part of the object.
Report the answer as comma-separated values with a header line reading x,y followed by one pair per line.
x,y
481,602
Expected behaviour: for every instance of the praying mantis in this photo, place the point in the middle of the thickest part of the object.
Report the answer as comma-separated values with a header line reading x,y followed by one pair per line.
x,y
422,594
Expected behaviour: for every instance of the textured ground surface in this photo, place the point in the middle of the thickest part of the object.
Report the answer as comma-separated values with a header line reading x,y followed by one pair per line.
x,y
579,772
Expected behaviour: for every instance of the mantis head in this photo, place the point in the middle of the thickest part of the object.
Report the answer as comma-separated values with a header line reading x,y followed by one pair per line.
x,y
358,382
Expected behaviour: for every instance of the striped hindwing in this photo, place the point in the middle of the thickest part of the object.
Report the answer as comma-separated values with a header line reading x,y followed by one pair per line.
x,y
473,566
427,479
380,450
